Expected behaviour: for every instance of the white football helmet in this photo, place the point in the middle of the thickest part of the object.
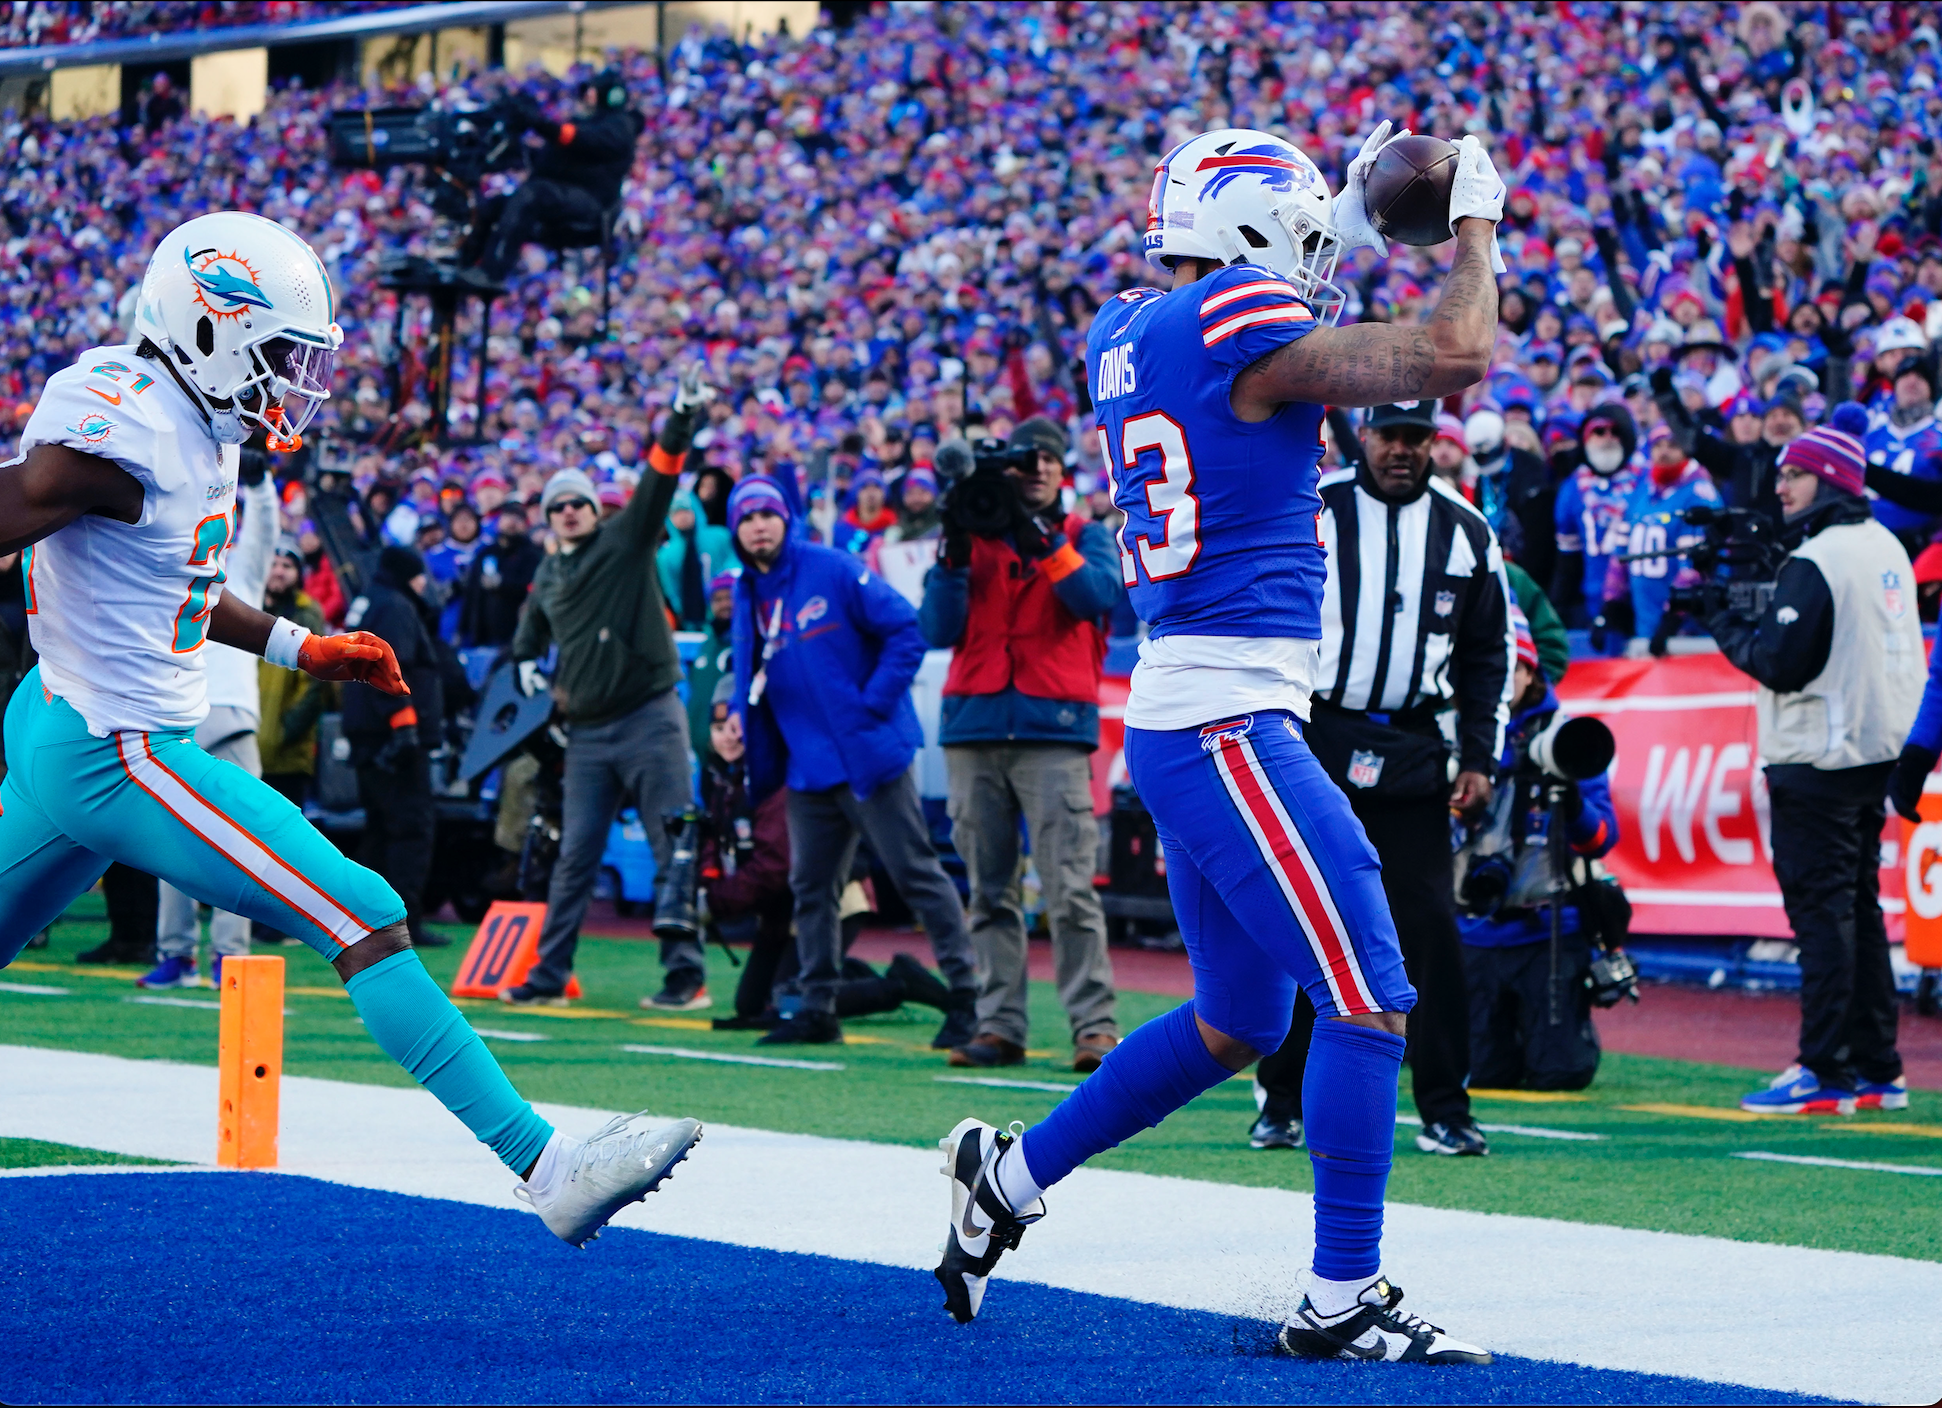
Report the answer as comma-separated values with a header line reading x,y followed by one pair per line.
x,y
246,312
1239,194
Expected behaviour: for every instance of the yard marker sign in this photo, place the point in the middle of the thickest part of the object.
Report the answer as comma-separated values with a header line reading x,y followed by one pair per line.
x,y
506,946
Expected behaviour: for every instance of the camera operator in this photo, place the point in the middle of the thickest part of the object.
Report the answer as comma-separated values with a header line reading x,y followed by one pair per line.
x,y
1527,952
1020,724
392,736
575,177
1415,622
1838,657
824,652
599,597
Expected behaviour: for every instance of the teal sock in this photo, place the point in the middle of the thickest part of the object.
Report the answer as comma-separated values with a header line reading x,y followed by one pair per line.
x,y
419,1028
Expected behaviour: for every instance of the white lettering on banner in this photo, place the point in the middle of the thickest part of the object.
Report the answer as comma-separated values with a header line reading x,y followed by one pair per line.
x,y
1924,875
1670,792
1722,801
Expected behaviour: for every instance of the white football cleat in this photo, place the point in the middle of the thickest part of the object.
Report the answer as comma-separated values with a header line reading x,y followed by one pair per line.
x,y
1374,1329
576,1187
983,1226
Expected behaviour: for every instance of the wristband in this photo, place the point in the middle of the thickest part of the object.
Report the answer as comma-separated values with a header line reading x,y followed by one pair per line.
x,y
285,643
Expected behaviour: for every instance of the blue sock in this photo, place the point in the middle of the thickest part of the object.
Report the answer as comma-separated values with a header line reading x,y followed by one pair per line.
x,y
1348,1103
1158,1068
419,1028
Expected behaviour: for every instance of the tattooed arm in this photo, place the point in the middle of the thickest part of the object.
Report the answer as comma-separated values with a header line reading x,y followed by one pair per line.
x,y
1369,364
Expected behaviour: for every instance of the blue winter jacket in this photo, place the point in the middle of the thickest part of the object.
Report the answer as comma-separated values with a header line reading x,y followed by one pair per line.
x,y
1592,832
836,708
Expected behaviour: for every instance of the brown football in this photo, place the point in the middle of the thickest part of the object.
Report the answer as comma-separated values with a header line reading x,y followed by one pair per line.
x,y
1408,190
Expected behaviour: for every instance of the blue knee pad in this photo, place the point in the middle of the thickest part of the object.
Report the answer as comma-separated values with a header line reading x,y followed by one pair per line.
x,y
417,1026
1348,1101
1159,1067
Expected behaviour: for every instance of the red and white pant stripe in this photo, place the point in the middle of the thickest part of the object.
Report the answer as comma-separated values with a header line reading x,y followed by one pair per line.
x,y
1293,866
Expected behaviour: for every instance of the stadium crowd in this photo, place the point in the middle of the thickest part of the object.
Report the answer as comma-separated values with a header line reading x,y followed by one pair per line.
x,y
33,23
1724,222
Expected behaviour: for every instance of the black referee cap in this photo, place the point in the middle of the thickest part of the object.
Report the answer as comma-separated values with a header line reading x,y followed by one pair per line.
x,y
1421,413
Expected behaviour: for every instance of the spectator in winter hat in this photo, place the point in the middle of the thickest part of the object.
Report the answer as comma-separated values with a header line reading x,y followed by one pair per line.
x,y
868,516
918,515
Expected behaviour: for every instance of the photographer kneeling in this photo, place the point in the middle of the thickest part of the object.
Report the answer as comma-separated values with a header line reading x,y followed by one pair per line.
x,y
1533,976
1022,607
744,870
1838,656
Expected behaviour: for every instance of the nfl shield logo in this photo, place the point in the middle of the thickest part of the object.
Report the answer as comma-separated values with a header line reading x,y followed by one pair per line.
x,y
1891,595
1364,768
1445,603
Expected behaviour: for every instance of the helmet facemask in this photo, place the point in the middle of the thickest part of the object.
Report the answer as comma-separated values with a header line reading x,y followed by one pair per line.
x,y
287,381
1317,249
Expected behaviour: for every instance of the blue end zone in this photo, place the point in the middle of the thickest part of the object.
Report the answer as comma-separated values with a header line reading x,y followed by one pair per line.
x,y
208,1288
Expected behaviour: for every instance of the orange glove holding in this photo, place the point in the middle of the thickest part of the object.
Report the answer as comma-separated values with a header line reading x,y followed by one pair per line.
x,y
357,655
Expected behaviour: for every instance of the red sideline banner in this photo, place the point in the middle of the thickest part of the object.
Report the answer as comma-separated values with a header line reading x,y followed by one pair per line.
x,y
1693,852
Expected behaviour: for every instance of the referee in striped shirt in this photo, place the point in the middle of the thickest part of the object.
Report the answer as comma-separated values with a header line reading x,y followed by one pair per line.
x,y
1416,661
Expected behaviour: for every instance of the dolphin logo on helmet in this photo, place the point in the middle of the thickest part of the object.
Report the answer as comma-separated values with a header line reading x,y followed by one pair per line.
x,y
218,281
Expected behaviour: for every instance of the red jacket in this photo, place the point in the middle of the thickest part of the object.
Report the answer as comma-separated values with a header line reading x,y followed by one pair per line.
x,y
1019,633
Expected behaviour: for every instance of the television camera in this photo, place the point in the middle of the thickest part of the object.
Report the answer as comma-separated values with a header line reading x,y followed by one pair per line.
x,y
457,147
1737,558
978,492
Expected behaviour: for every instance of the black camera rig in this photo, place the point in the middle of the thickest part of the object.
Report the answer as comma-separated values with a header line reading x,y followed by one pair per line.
x,y
979,493
457,148
1738,558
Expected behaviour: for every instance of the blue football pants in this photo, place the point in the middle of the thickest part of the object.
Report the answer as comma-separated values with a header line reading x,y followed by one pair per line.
x,y
71,803
1273,880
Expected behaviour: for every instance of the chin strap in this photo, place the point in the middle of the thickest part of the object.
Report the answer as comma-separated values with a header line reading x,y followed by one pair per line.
x,y
279,442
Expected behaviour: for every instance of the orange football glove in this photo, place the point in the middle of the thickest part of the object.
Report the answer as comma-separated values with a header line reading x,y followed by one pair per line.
x,y
357,655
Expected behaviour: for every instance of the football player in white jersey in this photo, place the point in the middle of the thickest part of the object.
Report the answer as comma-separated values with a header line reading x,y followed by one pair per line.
x,y
122,500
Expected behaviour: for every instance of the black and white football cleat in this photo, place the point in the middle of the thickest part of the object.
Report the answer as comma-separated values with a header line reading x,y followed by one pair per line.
x,y
983,1226
1374,1329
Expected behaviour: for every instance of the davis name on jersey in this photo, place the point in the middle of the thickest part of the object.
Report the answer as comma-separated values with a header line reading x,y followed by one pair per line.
x,y
1220,514
119,611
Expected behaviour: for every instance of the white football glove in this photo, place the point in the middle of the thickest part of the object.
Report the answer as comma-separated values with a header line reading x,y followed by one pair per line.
x,y
692,393
1477,192
531,681
1350,212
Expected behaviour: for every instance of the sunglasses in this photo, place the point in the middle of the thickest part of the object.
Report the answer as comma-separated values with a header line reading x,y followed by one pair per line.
x,y
567,503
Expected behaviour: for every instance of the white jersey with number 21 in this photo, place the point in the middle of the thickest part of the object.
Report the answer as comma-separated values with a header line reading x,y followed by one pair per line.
x,y
119,611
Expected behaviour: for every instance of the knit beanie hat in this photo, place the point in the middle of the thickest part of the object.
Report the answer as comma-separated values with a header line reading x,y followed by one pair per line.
x,y
1526,642
758,491
567,484
1831,454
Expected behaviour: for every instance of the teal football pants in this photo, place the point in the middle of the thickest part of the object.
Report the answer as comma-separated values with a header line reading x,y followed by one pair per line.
x,y
71,803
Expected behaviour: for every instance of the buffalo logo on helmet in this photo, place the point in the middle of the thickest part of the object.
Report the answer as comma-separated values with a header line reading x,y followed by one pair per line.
x,y
1281,168
226,286
93,428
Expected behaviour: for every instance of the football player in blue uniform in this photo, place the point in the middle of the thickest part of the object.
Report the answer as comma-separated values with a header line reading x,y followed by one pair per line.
x,y
1209,404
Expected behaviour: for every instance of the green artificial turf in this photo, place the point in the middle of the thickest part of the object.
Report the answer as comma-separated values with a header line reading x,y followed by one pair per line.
x,y
38,1153
1661,1171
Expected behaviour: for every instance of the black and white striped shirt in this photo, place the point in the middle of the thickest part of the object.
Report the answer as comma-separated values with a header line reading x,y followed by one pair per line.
x,y
1416,613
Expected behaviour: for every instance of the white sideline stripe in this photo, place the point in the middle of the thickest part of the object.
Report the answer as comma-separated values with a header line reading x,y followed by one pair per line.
x,y
1007,1084
152,1001
1606,1297
1530,1130
1863,1165
497,1035
33,989
687,1055
1659,703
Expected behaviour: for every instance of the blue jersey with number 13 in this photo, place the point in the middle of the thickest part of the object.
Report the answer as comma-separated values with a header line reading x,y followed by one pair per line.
x,y
1220,526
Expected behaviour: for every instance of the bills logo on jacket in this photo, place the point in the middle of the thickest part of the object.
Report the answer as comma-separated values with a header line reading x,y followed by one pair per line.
x,y
812,610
